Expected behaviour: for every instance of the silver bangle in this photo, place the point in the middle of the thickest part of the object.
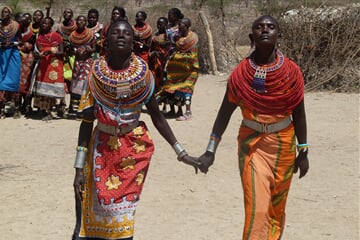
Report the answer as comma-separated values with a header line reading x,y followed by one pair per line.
x,y
212,145
181,155
178,148
80,159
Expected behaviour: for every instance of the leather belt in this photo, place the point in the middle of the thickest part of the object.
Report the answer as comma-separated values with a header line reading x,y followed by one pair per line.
x,y
267,128
115,130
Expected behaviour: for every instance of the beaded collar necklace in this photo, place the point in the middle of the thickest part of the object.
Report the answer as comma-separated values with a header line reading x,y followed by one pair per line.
x,y
81,38
258,83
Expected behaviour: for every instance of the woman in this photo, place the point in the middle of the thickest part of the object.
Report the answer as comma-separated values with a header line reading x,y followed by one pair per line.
x,y
142,36
27,60
49,85
117,13
269,88
158,52
182,71
65,28
113,159
83,43
96,27
10,61
38,16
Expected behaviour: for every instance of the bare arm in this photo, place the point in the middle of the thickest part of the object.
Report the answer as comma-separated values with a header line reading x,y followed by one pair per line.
x,y
165,131
219,127
299,120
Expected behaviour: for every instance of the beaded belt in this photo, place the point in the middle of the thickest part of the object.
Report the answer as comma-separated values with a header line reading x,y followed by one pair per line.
x,y
115,130
267,128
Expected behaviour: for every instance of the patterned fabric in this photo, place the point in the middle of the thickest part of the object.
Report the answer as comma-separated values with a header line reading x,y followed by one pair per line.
x,y
10,60
183,66
82,67
157,63
266,163
114,182
50,76
27,59
116,165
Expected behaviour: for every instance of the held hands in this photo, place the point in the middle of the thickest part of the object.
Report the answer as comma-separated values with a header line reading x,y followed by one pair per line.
x,y
206,160
189,160
301,162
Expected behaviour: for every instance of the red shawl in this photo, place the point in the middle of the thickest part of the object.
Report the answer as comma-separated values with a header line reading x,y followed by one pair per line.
x,y
284,88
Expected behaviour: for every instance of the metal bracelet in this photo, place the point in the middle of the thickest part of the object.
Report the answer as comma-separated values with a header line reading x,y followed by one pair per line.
x,y
181,155
178,148
80,159
212,145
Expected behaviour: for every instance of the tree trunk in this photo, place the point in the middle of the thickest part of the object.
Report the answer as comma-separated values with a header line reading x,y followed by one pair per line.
x,y
210,42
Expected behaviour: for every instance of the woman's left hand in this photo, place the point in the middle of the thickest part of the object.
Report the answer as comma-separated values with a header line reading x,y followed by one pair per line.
x,y
301,162
193,161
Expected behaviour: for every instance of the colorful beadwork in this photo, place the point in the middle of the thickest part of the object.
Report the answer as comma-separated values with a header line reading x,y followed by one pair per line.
x,y
129,87
259,80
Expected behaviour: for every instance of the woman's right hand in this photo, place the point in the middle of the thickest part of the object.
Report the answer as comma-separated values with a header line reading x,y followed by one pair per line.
x,y
206,160
79,184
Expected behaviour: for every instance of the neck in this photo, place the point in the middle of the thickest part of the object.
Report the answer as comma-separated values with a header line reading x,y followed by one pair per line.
x,y
80,30
67,22
5,21
265,56
119,61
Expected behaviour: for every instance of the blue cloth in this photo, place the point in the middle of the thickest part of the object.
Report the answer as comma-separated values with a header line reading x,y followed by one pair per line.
x,y
10,64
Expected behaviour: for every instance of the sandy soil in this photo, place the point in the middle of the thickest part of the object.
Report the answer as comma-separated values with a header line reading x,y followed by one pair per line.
x,y
36,175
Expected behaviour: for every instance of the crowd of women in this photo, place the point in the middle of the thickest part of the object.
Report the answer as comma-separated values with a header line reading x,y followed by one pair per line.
x,y
43,62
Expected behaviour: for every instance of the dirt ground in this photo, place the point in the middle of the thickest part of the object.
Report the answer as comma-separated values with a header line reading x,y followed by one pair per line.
x,y
36,175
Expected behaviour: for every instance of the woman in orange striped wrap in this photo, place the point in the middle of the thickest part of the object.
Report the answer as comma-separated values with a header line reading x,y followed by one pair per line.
x,y
272,140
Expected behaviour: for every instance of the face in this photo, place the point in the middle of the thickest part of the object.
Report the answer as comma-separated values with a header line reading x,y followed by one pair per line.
x,y
183,27
120,37
5,13
161,25
92,19
25,20
81,22
37,17
171,17
139,18
68,14
265,31
45,26
115,15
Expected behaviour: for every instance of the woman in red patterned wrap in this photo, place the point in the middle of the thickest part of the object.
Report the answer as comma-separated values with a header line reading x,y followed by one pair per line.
x,y
113,159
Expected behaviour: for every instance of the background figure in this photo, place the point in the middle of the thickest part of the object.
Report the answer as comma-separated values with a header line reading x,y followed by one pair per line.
x,y
269,88
65,28
182,71
10,37
38,15
159,52
27,61
49,85
112,160
94,25
142,36
117,13
83,43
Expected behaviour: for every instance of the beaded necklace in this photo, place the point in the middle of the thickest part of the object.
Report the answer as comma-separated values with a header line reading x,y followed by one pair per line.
x,y
114,88
34,30
65,31
258,83
81,38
